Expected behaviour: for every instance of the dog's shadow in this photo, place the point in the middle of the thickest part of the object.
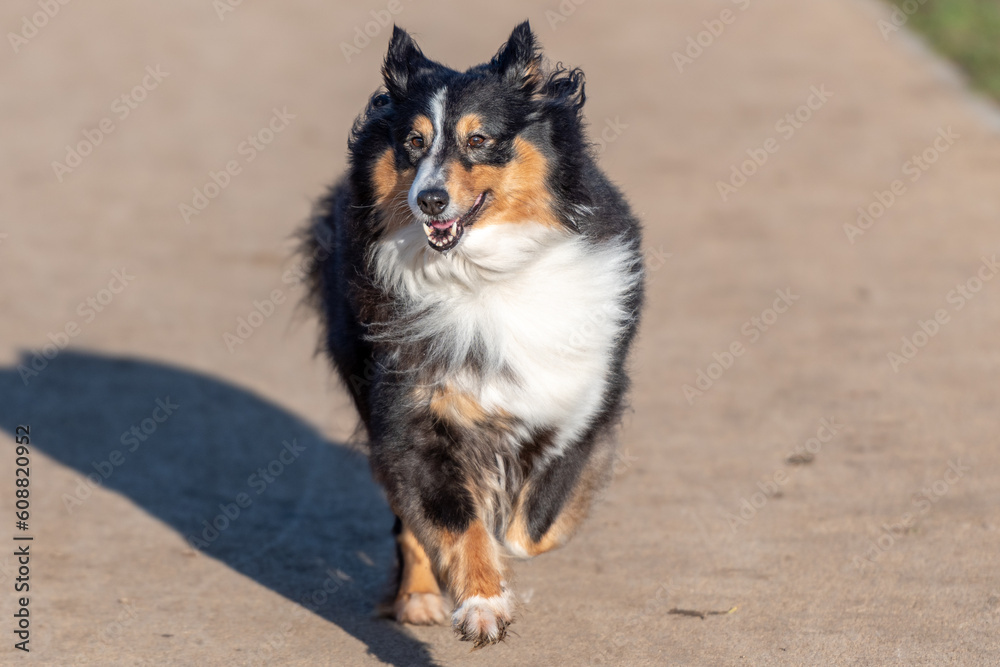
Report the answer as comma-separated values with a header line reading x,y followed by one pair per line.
x,y
311,525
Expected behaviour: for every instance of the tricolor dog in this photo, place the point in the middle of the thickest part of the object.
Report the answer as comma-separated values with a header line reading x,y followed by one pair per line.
x,y
479,280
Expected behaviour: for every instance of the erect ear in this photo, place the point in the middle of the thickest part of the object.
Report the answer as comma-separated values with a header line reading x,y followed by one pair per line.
x,y
402,60
519,61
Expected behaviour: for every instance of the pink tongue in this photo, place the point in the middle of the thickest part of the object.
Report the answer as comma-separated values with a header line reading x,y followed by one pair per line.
x,y
441,224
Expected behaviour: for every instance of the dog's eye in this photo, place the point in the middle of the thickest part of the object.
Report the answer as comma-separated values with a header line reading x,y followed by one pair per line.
x,y
476,140
417,142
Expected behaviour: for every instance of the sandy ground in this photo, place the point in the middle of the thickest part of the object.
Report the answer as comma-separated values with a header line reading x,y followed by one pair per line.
x,y
876,545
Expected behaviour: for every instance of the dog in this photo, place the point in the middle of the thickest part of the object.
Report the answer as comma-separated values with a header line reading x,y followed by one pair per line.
x,y
480,281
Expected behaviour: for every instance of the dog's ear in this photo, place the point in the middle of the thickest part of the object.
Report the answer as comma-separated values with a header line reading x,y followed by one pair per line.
x,y
519,61
402,60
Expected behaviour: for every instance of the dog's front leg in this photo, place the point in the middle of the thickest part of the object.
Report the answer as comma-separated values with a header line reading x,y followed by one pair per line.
x,y
468,563
471,565
431,494
418,598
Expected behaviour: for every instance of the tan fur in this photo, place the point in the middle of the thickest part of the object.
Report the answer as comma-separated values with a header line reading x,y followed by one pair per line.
x,y
466,126
424,126
533,73
518,192
517,537
575,510
471,562
557,534
417,574
457,407
384,176
462,409
391,189
392,186
418,600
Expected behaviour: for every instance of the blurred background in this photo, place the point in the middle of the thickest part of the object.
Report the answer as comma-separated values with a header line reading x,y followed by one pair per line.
x,y
968,32
818,183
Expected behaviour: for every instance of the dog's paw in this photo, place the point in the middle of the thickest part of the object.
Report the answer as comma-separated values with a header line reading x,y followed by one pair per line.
x,y
420,609
484,621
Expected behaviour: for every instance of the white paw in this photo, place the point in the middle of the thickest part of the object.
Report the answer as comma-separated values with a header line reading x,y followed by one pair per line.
x,y
484,621
421,609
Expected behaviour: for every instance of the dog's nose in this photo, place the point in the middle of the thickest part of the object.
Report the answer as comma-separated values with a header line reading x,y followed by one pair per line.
x,y
433,201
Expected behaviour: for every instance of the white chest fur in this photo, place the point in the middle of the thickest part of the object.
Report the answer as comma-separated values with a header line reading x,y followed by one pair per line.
x,y
543,307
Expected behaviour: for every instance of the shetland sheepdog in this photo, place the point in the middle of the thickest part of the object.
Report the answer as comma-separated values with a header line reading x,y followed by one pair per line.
x,y
479,280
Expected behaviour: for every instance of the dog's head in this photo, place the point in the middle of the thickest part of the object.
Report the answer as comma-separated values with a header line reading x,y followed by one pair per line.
x,y
475,148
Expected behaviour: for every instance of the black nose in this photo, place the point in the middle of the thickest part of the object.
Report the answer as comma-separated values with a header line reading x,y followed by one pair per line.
x,y
433,201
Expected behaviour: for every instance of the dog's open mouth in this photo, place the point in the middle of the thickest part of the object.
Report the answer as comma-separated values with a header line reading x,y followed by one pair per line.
x,y
445,234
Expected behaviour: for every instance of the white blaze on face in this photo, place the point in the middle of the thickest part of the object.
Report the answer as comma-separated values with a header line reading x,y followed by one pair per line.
x,y
431,172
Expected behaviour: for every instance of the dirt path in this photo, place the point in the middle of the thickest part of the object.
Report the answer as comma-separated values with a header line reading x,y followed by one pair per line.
x,y
876,545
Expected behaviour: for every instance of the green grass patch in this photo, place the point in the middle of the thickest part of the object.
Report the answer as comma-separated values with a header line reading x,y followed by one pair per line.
x,y
967,32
